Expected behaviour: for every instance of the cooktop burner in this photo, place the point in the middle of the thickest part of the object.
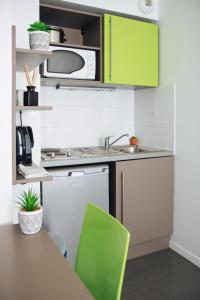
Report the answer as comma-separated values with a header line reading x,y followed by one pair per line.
x,y
56,153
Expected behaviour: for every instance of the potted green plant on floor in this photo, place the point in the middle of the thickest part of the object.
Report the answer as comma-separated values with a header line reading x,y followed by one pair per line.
x,y
30,212
38,36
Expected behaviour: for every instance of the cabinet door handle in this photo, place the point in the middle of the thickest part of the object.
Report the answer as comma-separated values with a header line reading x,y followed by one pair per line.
x,y
110,48
122,197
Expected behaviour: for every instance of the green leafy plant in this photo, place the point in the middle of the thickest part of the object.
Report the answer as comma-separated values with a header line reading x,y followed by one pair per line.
x,y
38,26
29,201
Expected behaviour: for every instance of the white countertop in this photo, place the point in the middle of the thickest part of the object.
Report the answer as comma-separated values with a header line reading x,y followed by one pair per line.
x,y
106,158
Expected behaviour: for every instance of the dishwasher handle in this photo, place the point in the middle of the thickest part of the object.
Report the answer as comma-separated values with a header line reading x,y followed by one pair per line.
x,y
95,171
67,174
80,173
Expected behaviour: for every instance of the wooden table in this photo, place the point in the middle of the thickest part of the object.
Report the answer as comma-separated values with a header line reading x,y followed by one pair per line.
x,y
31,267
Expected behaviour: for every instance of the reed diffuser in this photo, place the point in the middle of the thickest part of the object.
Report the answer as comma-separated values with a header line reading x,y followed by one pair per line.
x,y
30,96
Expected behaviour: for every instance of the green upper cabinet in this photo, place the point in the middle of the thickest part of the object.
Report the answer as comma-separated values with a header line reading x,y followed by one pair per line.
x,y
130,51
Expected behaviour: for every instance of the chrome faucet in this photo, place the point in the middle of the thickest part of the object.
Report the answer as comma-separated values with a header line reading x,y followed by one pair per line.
x,y
107,141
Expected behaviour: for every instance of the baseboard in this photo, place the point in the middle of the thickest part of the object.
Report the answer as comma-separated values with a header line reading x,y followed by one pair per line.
x,y
185,253
148,247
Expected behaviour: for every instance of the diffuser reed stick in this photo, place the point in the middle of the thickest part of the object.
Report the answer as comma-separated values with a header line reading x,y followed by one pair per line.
x,y
30,79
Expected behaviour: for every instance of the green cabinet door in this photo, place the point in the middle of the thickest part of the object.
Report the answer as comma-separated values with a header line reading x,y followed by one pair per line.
x,y
130,51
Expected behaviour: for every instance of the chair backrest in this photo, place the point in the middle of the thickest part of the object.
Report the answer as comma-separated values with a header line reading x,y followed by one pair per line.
x,y
102,253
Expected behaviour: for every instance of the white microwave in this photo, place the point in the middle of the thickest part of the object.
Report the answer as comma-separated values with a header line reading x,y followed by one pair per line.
x,y
71,63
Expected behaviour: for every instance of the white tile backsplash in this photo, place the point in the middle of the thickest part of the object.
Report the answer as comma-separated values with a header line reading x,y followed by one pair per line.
x,y
154,116
147,135
84,118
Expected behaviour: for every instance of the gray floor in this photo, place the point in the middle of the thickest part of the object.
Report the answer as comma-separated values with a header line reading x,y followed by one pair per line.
x,y
161,276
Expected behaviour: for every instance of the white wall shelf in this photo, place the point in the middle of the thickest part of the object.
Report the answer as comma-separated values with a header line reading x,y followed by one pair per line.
x,y
21,180
32,58
33,108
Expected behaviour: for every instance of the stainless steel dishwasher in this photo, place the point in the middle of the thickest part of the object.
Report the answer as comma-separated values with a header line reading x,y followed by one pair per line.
x,y
65,198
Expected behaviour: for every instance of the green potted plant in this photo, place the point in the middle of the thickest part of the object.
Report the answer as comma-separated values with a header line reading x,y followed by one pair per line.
x,y
30,212
38,36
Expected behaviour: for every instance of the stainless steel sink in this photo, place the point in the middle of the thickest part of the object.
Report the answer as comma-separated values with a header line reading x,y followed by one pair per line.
x,y
113,151
135,149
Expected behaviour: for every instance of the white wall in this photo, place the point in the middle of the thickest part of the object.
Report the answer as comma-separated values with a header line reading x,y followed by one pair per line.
x,y
24,13
5,113
84,118
129,7
154,116
179,63
30,14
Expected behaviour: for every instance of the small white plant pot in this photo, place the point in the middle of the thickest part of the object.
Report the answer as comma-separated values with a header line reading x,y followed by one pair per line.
x,y
30,221
39,40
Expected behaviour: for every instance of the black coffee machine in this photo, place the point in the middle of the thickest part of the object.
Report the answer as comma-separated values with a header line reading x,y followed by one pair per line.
x,y
24,144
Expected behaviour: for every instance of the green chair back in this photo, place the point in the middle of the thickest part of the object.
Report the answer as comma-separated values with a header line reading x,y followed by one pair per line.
x,y
102,253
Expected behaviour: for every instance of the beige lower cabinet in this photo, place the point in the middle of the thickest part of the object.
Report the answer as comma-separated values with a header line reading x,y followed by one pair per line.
x,y
144,202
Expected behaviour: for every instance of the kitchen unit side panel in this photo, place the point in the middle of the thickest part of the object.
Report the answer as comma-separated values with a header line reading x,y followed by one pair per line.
x,y
130,51
144,198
